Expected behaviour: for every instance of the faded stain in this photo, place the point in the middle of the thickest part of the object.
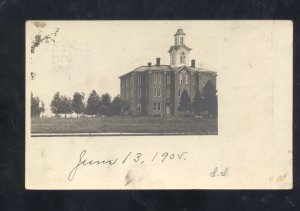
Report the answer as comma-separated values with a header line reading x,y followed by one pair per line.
x,y
281,178
129,178
39,24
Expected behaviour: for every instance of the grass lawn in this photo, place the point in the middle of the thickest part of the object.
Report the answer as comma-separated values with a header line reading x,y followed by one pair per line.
x,y
126,124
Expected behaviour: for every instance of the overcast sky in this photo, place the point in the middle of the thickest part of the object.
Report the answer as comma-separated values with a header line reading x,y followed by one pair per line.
x,y
92,55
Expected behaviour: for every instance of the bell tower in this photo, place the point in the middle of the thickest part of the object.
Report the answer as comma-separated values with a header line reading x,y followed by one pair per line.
x,y
179,52
179,37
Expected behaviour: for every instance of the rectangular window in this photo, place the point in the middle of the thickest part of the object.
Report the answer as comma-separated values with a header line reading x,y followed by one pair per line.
x,y
155,78
126,82
159,78
180,79
139,79
139,93
154,106
158,92
168,92
158,106
139,107
179,92
154,92
168,79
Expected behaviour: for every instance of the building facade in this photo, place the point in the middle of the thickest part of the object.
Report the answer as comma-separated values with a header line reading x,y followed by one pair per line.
x,y
156,89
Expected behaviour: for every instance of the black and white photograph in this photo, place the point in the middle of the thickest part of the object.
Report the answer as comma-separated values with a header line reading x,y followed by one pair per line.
x,y
117,82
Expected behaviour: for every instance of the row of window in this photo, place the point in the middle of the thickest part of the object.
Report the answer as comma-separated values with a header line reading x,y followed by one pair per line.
x,y
157,79
157,92
183,79
128,82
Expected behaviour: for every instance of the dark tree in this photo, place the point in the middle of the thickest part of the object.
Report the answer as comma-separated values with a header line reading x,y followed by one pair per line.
x,y
37,106
105,104
116,106
185,102
210,98
93,104
65,105
102,110
55,104
77,103
61,105
198,103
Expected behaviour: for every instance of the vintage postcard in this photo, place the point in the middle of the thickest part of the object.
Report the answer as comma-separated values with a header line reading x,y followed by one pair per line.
x,y
159,104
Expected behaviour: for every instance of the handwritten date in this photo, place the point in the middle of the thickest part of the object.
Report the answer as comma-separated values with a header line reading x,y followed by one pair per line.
x,y
138,158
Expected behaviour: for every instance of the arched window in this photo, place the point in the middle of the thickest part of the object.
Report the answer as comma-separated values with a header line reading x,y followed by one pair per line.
x,y
182,58
159,78
168,79
186,79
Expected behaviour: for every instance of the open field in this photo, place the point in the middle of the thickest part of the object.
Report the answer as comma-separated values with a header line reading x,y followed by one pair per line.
x,y
126,124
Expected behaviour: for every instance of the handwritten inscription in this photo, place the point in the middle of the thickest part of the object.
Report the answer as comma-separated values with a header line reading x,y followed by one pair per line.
x,y
219,172
138,158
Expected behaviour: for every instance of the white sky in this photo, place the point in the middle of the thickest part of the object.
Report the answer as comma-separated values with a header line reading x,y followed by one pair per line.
x,y
90,55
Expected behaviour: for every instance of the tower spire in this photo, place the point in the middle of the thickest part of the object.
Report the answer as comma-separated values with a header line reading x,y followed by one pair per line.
x,y
179,52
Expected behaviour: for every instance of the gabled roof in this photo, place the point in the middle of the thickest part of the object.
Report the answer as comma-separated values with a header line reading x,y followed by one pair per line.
x,y
179,69
176,47
151,68
165,68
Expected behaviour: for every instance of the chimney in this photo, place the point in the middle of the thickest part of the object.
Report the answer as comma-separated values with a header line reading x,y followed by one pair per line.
x,y
149,64
158,61
193,63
